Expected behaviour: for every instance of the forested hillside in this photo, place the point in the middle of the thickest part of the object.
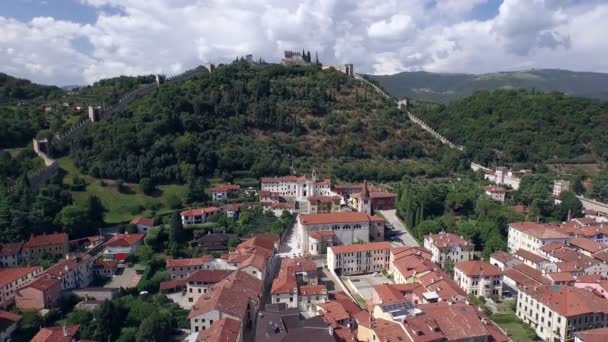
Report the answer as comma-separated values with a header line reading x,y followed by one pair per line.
x,y
12,88
447,87
524,126
243,120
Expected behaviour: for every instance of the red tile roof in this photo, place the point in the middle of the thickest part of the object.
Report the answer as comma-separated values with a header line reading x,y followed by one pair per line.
x,y
339,217
105,264
9,275
9,249
538,230
142,221
401,252
387,330
172,284
46,240
476,268
588,245
524,275
226,329
443,240
361,247
569,301
527,255
125,240
458,321
313,290
56,334
199,211
226,188
320,234
502,256
324,199
560,277
550,247
593,335
43,282
333,313
66,265
588,278
7,319
191,262
209,276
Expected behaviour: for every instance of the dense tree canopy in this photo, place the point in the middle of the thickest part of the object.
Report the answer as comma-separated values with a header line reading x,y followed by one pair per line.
x,y
520,126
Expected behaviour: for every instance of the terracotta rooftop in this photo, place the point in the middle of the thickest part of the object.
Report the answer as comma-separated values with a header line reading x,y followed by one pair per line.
x,y
43,282
46,240
67,265
226,329
190,262
312,290
588,245
386,330
56,334
320,234
569,301
560,277
401,252
172,284
9,275
475,268
226,188
538,230
209,276
588,278
324,199
7,319
524,275
550,247
105,264
442,240
333,313
362,247
8,249
125,240
594,335
339,217
527,255
458,321
502,256
144,221
200,211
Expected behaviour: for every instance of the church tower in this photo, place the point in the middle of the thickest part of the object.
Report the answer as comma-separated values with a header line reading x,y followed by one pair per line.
x,y
365,202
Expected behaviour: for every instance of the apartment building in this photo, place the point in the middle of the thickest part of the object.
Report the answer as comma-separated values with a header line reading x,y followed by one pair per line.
x,y
297,284
12,279
199,283
446,247
13,254
533,236
183,268
359,258
479,278
557,312
42,293
51,244
74,272
297,187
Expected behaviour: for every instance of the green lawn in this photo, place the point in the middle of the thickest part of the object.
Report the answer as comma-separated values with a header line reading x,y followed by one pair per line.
x,y
122,206
517,330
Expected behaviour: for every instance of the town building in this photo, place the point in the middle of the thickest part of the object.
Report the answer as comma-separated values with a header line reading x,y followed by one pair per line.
x,y
199,283
56,245
559,186
198,215
319,241
277,323
359,258
533,260
237,297
587,246
105,268
223,192
348,228
8,325
557,312
184,268
143,224
214,241
42,293
323,204
66,333
225,329
533,236
593,335
297,285
293,58
503,176
74,272
479,278
496,193
370,199
12,279
122,245
448,247
296,187
13,254
504,260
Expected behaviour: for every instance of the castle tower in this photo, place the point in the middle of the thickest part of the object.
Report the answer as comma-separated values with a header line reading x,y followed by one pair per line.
x,y
365,202
349,70
93,114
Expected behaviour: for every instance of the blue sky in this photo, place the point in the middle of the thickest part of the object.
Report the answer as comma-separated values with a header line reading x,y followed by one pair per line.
x,y
81,41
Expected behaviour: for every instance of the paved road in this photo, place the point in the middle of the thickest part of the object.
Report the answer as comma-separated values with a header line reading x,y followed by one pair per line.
x,y
391,217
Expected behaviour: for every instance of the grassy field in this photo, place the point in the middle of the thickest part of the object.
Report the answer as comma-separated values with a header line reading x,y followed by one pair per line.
x,y
517,330
122,206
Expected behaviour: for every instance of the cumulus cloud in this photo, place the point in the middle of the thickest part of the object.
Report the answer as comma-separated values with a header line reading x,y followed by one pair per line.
x,y
169,36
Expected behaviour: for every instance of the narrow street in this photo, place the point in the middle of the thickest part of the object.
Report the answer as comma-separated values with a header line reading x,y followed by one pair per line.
x,y
393,220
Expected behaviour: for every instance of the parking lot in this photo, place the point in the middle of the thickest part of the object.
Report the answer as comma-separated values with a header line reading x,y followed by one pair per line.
x,y
125,277
363,284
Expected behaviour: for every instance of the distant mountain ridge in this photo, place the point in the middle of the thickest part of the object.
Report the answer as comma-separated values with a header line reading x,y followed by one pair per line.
x,y
446,87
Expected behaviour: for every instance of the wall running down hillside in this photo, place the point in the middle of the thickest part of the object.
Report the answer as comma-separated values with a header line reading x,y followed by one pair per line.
x,y
51,166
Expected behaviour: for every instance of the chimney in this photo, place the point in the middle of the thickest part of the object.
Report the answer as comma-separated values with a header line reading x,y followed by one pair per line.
x,y
65,331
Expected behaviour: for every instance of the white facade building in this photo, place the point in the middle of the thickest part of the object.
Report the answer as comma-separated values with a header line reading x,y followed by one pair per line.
x,y
359,258
448,247
479,278
297,187
533,236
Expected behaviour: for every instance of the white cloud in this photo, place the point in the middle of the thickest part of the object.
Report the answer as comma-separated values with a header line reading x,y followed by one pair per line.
x,y
169,36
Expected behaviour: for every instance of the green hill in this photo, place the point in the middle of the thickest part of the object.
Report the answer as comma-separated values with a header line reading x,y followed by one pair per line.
x,y
243,121
445,87
524,126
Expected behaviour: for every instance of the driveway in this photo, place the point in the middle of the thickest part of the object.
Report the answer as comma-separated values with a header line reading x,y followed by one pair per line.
x,y
125,277
393,220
